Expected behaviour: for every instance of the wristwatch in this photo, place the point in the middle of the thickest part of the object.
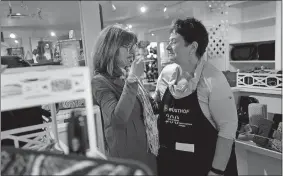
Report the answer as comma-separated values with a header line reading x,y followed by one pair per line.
x,y
217,171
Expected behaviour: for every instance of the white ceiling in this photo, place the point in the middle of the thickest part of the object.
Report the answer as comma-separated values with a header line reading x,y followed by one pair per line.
x,y
66,15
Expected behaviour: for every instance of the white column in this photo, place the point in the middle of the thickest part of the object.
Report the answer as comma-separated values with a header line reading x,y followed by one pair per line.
x,y
141,35
278,36
90,29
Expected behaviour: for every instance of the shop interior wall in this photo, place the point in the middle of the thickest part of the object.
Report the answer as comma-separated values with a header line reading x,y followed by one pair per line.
x,y
200,13
30,37
256,33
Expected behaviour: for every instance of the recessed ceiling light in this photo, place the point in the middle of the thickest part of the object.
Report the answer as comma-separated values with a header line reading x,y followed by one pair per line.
x,y
143,9
52,34
18,14
16,41
165,8
12,35
130,26
152,34
113,7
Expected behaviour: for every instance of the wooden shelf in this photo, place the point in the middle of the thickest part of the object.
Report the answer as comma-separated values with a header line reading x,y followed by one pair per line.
x,y
252,61
262,22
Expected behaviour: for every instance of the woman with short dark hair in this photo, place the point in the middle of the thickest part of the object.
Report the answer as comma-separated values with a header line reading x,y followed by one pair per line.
x,y
129,122
198,117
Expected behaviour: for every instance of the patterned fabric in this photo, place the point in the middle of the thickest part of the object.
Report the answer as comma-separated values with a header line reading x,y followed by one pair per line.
x,y
280,127
24,162
150,119
68,105
276,145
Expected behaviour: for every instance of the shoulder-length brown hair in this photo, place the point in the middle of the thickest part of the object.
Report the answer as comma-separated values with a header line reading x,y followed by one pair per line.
x,y
107,46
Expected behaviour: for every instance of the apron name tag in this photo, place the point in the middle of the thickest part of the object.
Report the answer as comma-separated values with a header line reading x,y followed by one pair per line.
x,y
185,147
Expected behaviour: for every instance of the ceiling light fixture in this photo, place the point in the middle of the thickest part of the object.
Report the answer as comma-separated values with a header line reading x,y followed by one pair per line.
x,y
113,7
12,35
130,26
16,41
53,34
152,34
18,14
143,9
165,8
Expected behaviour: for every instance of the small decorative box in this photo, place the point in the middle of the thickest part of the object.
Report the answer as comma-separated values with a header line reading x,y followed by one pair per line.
x,y
260,80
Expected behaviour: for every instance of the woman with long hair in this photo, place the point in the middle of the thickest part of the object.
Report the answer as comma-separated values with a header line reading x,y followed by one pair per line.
x,y
130,128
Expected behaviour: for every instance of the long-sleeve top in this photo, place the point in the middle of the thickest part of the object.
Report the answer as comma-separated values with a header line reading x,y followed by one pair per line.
x,y
214,94
123,119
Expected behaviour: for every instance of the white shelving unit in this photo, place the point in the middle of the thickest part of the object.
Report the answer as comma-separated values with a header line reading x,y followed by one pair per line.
x,y
253,21
252,61
35,86
241,4
3,44
249,41
256,23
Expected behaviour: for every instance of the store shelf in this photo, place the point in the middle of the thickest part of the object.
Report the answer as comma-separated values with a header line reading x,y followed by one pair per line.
x,y
257,23
3,44
251,41
151,60
256,90
252,61
22,90
241,4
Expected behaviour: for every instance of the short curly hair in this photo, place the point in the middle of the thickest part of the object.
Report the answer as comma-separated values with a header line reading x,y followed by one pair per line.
x,y
192,30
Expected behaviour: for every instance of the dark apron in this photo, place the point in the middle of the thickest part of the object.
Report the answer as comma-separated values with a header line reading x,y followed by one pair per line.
x,y
187,139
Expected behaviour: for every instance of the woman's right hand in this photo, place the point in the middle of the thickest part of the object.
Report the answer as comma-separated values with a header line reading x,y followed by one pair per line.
x,y
137,67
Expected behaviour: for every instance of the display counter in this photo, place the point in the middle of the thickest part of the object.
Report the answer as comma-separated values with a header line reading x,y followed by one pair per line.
x,y
255,160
